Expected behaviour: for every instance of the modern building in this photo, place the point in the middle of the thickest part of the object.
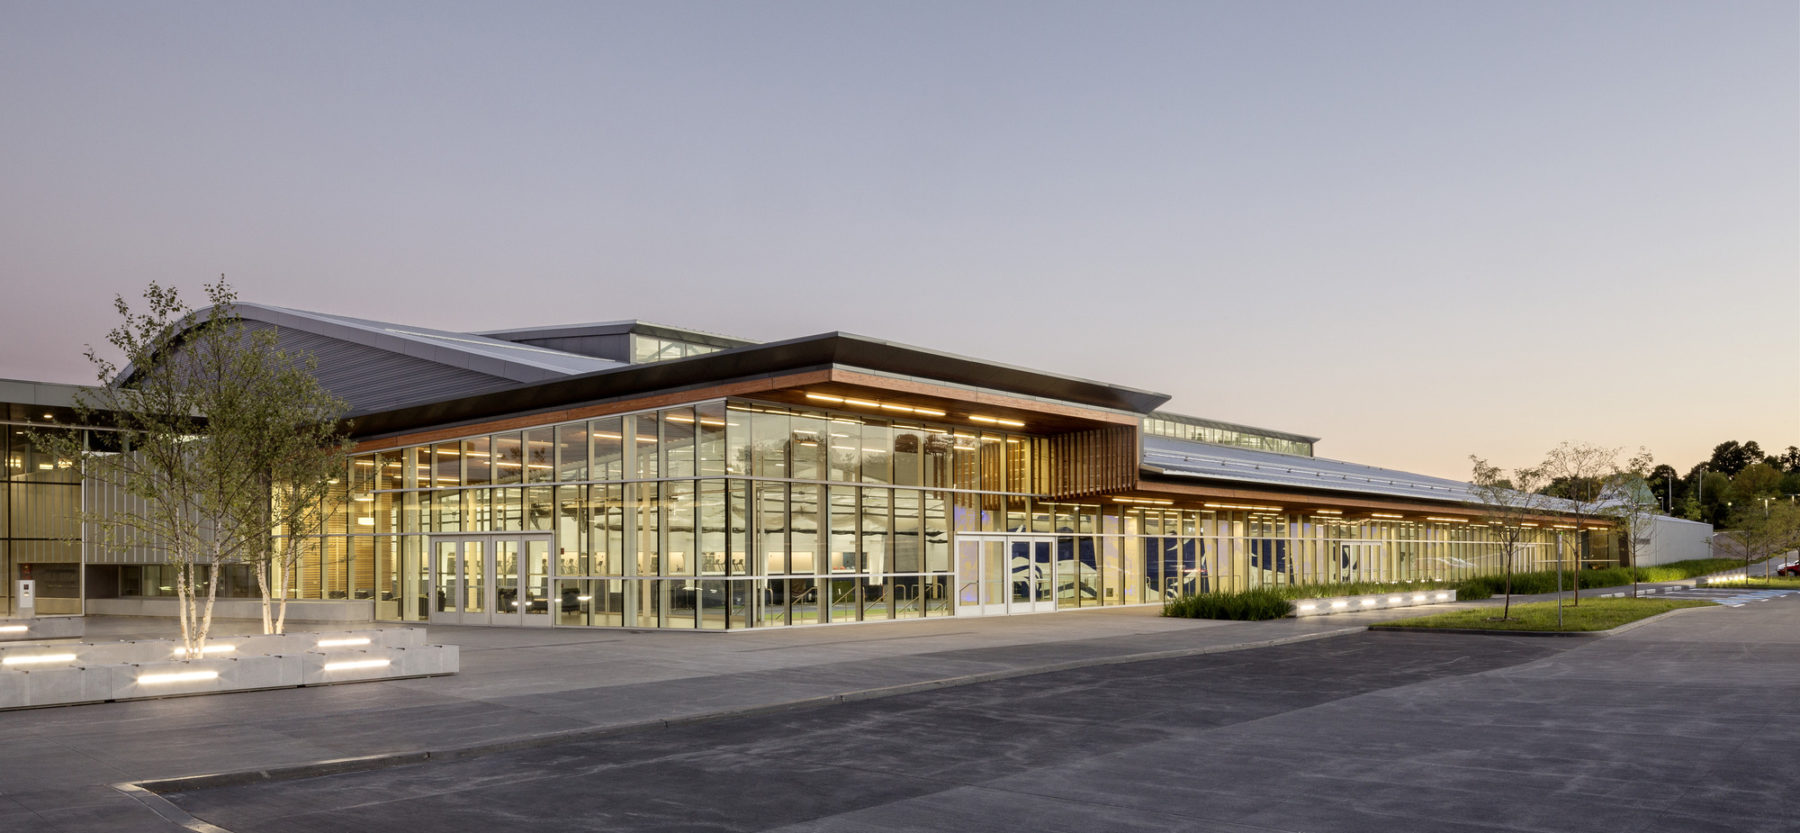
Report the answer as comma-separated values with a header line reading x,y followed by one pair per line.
x,y
628,474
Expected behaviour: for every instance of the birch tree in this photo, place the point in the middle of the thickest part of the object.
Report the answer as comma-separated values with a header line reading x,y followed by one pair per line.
x,y
1510,505
209,417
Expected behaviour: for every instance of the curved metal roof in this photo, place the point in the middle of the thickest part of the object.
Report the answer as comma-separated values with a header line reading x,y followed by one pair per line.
x,y
378,366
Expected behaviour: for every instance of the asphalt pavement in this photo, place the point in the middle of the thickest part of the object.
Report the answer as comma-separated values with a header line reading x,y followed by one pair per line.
x,y
613,702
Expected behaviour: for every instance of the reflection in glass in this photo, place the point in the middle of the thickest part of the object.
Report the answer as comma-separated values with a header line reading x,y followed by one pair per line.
x,y
473,578
537,577
446,580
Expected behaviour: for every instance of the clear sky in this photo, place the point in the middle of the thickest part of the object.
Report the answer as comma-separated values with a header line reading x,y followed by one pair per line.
x,y
1419,230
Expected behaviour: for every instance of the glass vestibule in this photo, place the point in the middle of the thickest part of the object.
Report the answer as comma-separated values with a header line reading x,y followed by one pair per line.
x,y
1001,575
490,580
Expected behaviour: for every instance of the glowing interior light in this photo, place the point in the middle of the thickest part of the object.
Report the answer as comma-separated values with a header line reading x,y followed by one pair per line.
x,y
1337,605
345,642
584,598
1368,602
1419,598
14,628
1394,600
356,664
1443,596
178,677
40,659
819,397
1309,607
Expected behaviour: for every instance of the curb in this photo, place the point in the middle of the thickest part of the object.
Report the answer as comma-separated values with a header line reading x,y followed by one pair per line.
x,y
150,792
1628,626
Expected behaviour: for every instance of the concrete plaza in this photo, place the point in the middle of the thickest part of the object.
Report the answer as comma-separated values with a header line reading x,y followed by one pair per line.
x,y
1113,719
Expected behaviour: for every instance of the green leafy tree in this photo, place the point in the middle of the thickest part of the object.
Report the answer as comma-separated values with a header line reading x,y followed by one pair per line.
x,y
1764,529
1507,503
1757,480
1665,483
211,420
1731,457
1633,506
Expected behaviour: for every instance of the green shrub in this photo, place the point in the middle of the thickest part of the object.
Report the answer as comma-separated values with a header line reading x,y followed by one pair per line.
x,y
1353,588
1276,602
1263,603
1544,581
1472,590
1687,569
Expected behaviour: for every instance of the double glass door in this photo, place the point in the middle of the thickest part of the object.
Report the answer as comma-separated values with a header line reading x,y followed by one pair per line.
x,y
490,580
997,576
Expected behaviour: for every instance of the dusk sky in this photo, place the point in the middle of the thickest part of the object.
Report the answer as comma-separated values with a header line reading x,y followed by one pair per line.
x,y
1419,230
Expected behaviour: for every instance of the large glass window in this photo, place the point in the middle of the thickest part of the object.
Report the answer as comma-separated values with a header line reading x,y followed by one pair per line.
x,y
571,452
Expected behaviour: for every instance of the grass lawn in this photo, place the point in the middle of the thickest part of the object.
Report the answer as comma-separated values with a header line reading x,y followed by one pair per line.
x,y
1757,582
1591,615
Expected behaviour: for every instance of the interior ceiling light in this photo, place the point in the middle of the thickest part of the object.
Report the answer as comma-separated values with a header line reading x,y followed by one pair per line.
x,y
1148,501
1245,507
1387,515
874,405
1328,511
989,420
1446,520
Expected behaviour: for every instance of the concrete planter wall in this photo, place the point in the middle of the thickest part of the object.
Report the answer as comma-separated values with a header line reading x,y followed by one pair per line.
x,y
61,674
299,610
1373,601
42,627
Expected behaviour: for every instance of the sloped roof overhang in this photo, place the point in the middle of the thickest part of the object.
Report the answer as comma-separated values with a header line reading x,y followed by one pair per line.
x,y
827,359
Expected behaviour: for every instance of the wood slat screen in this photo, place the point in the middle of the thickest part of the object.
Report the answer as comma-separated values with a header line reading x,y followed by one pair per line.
x,y
1089,462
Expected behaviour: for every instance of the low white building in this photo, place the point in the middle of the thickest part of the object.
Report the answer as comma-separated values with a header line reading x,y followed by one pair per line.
x,y
1674,539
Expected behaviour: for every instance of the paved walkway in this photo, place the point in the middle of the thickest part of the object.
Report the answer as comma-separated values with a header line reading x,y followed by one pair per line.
x,y
1679,726
57,765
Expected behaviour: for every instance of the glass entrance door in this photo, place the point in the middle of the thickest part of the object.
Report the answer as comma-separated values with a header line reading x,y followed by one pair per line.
x,y
490,580
1005,575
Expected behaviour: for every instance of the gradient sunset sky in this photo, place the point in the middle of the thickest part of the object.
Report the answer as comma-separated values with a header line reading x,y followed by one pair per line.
x,y
1419,230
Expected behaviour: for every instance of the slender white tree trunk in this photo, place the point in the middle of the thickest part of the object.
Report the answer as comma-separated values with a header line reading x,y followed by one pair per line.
x,y
262,589
281,585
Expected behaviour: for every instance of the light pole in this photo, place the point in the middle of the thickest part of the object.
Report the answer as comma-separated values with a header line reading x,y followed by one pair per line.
x,y
1765,503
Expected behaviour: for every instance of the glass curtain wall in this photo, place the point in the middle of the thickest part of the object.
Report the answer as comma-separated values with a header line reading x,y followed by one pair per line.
x,y
711,516
40,505
727,515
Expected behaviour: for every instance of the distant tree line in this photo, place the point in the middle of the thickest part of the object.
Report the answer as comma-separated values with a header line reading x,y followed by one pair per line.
x,y
1736,477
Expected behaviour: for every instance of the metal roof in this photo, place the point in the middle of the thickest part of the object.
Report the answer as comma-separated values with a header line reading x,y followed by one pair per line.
x,y
520,362
379,366
1184,459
